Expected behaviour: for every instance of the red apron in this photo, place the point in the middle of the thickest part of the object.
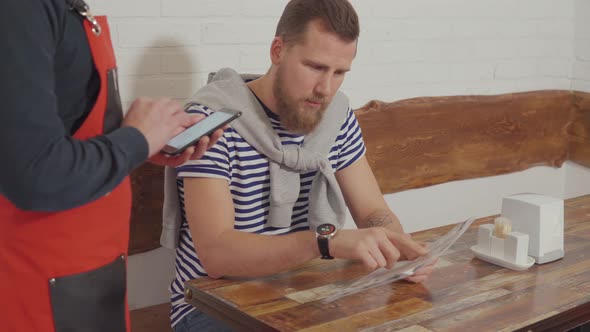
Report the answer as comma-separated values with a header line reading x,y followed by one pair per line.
x,y
65,271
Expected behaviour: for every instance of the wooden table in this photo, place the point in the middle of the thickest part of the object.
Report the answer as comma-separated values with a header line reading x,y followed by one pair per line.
x,y
463,294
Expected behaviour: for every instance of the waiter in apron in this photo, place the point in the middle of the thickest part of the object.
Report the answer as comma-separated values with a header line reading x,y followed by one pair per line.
x,y
66,152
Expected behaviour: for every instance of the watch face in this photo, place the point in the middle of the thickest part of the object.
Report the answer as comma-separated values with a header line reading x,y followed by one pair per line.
x,y
326,229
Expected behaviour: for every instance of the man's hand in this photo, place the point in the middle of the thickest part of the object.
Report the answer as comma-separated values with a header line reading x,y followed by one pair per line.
x,y
376,246
161,119
192,153
422,273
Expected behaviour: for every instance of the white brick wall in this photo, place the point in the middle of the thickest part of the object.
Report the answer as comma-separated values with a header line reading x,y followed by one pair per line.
x,y
581,71
407,48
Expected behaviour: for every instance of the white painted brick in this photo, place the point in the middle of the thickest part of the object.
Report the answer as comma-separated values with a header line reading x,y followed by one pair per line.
x,y
489,8
484,9
414,90
263,8
114,30
559,68
562,28
203,59
493,28
545,8
582,11
199,8
581,85
516,69
386,30
125,8
136,63
410,51
362,7
583,49
582,7
392,9
427,29
582,19
543,84
383,31
234,33
472,50
255,59
478,88
583,29
496,87
546,48
159,34
475,71
416,8
582,70
491,87
472,9
179,88
401,73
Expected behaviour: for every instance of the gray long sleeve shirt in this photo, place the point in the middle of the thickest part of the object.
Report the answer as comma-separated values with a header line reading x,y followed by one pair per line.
x,y
48,85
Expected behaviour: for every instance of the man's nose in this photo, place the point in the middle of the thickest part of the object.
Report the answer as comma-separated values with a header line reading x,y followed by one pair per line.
x,y
324,85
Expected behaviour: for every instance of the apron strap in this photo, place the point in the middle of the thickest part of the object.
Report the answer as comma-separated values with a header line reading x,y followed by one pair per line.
x,y
83,9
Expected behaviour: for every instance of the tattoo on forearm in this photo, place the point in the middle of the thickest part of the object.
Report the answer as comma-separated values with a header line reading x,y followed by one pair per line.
x,y
379,219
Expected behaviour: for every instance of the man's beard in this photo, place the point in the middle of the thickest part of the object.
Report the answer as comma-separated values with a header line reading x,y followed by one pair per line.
x,y
295,116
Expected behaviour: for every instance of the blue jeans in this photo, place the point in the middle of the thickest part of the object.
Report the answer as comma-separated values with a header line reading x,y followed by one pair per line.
x,y
197,321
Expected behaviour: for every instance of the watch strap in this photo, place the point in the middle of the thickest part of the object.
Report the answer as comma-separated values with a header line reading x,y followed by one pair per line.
x,y
324,247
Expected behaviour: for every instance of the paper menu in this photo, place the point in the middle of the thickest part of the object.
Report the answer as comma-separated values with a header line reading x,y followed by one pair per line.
x,y
404,269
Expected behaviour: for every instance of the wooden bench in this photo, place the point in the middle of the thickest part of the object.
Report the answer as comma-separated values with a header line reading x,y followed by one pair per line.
x,y
426,141
421,142
154,318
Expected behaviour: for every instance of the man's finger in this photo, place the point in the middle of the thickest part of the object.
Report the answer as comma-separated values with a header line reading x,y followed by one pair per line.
x,y
378,257
405,243
186,120
200,148
390,252
214,137
369,262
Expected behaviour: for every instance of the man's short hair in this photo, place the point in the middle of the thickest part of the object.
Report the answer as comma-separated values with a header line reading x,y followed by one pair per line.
x,y
338,16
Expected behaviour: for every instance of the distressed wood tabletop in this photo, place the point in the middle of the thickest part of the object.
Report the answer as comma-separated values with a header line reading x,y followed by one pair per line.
x,y
463,294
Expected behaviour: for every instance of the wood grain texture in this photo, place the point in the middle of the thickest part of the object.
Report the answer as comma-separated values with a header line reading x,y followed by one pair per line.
x,y
579,148
147,183
463,294
151,319
425,141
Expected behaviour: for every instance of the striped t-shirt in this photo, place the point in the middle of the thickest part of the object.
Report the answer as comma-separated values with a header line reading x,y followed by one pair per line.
x,y
247,172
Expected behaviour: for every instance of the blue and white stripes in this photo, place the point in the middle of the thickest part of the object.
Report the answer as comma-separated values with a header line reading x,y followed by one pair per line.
x,y
247,173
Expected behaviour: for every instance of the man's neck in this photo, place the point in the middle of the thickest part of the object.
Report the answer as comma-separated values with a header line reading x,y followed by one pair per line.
x,y
262,88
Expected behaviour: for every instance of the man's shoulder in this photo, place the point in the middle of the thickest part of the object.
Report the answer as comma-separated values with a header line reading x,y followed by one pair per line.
x,y
225,88
341,95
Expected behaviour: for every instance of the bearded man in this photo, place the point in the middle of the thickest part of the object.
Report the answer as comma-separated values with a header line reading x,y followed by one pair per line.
x,y
289,167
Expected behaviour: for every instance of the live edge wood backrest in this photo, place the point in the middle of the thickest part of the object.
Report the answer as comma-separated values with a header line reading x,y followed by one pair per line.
x,y
425,141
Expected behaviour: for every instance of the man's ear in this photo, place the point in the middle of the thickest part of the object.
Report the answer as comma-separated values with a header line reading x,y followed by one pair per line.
x,y
277,48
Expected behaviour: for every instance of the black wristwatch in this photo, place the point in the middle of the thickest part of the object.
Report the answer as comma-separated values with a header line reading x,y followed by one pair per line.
x,y
323,234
